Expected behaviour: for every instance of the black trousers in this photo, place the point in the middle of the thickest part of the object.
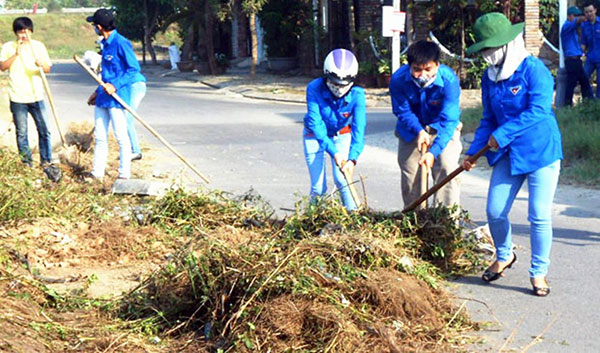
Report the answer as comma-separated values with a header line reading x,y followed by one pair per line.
x,y
575,75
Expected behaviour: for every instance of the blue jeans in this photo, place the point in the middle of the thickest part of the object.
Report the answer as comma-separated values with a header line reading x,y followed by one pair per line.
x,y
138,91
589,68
315,160
501,195
38,112
103,118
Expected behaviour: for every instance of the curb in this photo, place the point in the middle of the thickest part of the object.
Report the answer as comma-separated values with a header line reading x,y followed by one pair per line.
x,y
284,100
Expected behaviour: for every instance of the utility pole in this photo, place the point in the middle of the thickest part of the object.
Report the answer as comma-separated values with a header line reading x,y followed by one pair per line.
x,y
561,77
396,43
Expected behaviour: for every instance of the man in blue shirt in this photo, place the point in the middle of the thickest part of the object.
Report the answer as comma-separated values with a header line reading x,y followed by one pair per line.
x,y
425,99
590,38
572,52
120,69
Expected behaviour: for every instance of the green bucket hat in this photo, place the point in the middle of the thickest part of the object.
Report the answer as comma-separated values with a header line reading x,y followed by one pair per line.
x,y
493,30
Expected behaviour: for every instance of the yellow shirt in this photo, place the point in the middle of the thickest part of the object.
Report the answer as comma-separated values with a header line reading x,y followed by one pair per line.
x,y
25,83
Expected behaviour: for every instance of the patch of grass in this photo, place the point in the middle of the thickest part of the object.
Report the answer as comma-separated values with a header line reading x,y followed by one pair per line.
x,y
470,117
580,128
63,34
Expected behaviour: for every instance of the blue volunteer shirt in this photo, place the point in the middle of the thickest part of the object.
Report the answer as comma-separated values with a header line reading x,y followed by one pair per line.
x,y
119,68
436,106
518,113
590,37
327,115
570,39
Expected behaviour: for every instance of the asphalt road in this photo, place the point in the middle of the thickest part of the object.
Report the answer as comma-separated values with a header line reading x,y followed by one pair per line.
x,y
241,144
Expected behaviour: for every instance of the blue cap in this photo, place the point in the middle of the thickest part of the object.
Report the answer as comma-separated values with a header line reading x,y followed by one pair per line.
x,y
574,10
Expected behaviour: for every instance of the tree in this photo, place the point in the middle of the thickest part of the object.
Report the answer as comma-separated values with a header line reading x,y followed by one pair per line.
x,y
142,20
251,8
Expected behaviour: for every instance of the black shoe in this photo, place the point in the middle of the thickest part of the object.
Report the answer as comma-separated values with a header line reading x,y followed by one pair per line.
x,y
541,291
136,156
489,276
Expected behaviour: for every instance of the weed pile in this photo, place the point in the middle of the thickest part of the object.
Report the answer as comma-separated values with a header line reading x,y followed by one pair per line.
x,y
231,277
321,280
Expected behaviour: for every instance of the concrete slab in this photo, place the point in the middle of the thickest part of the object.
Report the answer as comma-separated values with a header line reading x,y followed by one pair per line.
x,y
139,187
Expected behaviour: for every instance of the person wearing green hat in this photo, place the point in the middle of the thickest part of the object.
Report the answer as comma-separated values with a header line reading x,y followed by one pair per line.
x,y
572,52
520,127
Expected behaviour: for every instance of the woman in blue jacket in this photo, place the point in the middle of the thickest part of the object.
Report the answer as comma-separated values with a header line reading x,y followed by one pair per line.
x,y
519,125
335,123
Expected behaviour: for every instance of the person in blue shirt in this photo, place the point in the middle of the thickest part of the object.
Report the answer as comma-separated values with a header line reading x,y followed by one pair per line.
x,y
519,125
573,52
120,70
425,99
335,124
590,38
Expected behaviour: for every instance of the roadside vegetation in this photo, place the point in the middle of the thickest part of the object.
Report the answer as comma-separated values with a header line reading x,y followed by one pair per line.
x,y
218,273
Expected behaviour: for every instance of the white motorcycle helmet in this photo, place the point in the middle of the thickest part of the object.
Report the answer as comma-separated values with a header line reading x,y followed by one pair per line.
x,y
340,69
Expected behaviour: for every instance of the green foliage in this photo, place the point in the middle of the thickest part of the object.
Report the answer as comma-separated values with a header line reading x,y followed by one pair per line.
x,y
450,18
283,22
253,6
580,128
133,16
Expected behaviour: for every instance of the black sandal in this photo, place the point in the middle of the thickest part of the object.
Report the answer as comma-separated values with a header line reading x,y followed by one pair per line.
x,y
541,291
489,275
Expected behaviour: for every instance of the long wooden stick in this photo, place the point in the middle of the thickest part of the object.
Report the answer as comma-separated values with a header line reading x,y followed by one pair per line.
x,y
350,185
424,177
48,93
140,120
439,185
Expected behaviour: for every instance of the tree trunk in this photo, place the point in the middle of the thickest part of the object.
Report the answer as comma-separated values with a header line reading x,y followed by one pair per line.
x,y
461,72
208,38
506,4
150,47
149,25
188,44
254,40
143,51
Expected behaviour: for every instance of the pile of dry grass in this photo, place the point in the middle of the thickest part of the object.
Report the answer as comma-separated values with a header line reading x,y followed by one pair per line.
x,y
323,280
320,280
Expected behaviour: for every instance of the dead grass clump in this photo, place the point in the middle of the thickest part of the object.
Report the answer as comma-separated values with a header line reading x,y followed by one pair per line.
x,y
80,135
296,323
109,242
290,286
400,296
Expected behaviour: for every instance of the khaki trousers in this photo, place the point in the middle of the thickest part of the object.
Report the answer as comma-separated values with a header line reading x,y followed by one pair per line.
x,y
445,163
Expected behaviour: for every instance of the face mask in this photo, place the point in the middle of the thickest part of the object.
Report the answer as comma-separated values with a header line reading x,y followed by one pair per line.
x,y
423,81
97,31
338,91
494,56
